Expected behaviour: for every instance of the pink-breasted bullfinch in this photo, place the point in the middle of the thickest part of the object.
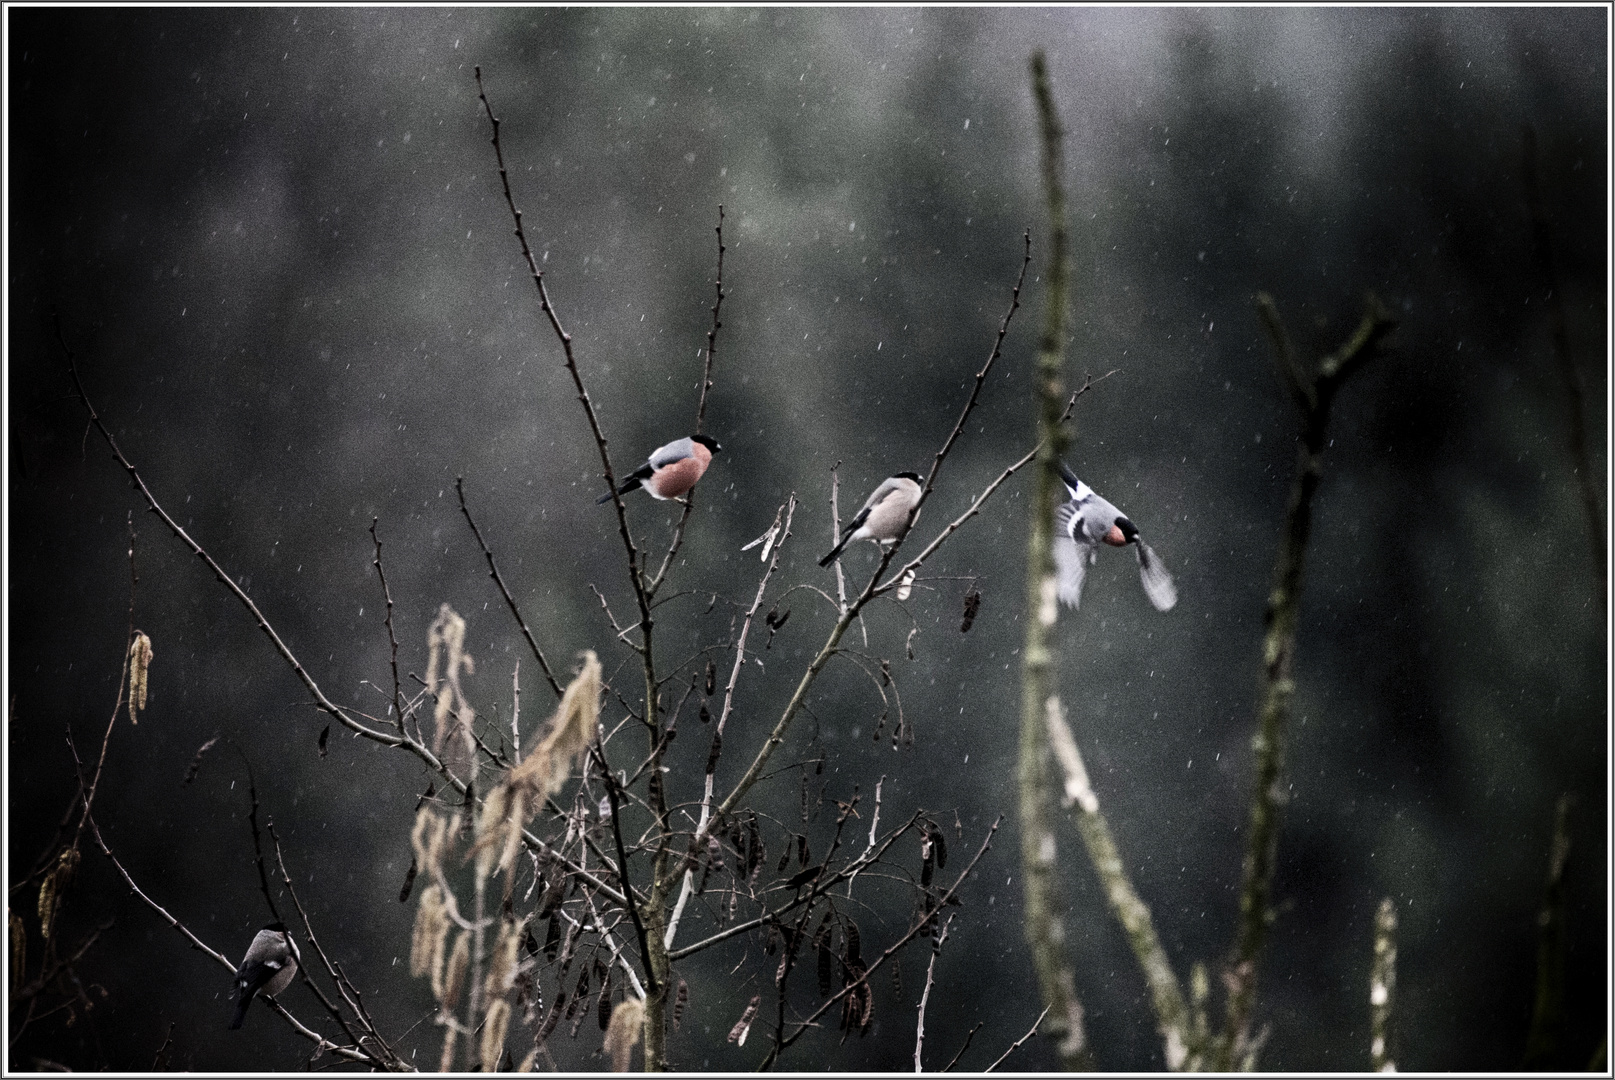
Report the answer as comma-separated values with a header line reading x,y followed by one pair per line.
x,y
268,968
883,517
671,470
1086,521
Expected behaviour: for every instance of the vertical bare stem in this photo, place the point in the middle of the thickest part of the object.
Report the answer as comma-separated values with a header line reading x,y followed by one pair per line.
x,y
1313,398
1587,481
1045,932
1546,1012
1382,987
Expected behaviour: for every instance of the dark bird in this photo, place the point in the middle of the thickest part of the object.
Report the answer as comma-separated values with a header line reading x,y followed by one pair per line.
x,y
883,517
267,969
1084,522
671,470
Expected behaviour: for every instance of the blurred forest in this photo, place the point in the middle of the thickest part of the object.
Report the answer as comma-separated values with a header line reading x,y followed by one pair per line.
x,y
277,245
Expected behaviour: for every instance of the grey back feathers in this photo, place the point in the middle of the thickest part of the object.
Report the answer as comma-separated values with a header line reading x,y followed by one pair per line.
x,y
677,450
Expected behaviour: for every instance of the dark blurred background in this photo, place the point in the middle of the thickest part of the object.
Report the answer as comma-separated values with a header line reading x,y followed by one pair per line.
x,y
277,244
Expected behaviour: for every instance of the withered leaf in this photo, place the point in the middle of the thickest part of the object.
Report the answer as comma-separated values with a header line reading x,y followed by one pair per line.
x,y
196,762
409,880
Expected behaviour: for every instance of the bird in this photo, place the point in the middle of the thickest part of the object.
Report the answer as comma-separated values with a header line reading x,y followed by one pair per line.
x,y
671,470
884,516
1087,520
268,968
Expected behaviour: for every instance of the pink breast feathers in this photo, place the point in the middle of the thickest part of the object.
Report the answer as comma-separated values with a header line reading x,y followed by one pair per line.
x,y
679,477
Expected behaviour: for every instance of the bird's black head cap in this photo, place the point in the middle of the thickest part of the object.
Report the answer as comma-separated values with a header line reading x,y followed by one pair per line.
x,y
277,927
914,476
709,442
1129,530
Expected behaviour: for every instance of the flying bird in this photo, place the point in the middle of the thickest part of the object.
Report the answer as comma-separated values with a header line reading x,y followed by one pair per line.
x,y
1087,520
883,516
671,470
268,968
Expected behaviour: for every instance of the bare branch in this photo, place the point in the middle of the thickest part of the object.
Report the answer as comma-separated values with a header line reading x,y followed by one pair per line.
x,y
493,572
1016,1045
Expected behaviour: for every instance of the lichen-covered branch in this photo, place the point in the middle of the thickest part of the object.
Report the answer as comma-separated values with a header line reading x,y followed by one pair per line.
x,y
1045,933
1382,988
1166,994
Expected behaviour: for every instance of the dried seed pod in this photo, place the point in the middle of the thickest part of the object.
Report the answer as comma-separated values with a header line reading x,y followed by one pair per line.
x,y
712,755
680,999
784,858
854,953
409,881
553,1018
552,939
325,737
742,1028
603,1011
825,957
706,715
972,605
897,977
941,843
801,850
712,677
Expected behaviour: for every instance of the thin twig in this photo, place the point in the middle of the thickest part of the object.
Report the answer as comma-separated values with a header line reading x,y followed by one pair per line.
x,y
1016,1045
925,995
700,415
493,572
971,1034
392,638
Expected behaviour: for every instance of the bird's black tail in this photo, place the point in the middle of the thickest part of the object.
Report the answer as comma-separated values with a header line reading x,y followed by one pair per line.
x,y
830,558
627,485
241,1011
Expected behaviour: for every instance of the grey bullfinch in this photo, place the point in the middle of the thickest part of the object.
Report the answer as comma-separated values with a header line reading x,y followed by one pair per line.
x,y
671,470
883,516
268,968
1088,520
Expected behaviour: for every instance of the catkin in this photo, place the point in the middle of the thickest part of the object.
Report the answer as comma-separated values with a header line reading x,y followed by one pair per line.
x,y
139,662
623,1031
454,978
493,1034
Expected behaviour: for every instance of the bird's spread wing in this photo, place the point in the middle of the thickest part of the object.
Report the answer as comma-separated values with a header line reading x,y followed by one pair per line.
x,y
1157,582
664,456
1071,551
